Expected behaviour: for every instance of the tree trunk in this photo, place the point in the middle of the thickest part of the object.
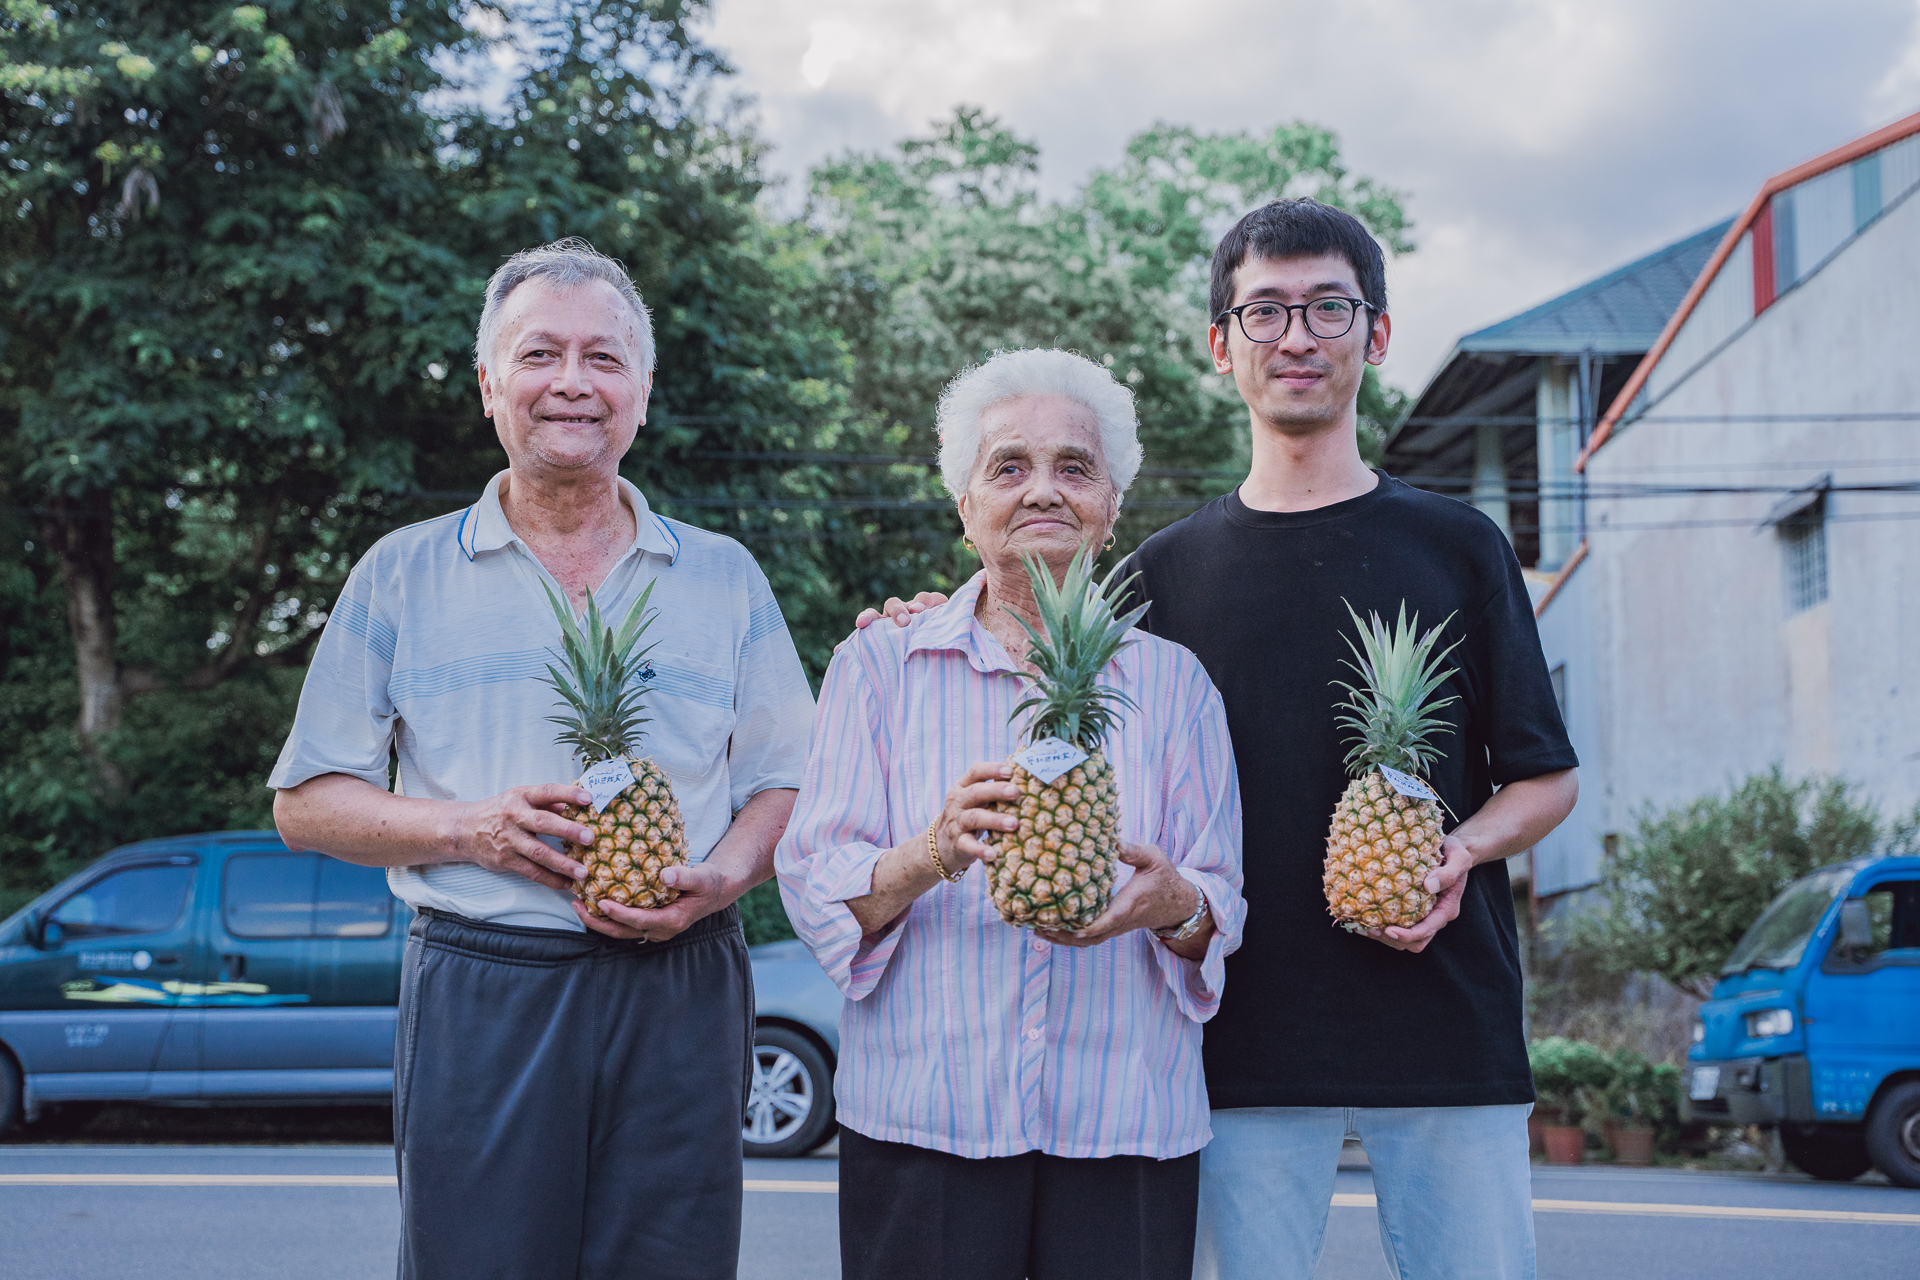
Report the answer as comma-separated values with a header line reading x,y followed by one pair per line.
x,y
80,531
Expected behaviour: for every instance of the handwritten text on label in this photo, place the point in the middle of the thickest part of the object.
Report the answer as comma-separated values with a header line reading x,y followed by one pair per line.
x,y
1048,758
606,780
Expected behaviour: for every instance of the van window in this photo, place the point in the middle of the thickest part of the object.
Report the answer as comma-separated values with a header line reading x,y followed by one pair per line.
x,y
137,900
269,896
352,902
304,896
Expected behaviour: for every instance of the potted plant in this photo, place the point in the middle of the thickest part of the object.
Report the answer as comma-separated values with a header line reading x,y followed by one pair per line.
x,y
1570,1077
1632,1101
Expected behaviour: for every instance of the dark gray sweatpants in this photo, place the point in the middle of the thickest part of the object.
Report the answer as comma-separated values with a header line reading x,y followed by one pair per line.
x,y
568,1106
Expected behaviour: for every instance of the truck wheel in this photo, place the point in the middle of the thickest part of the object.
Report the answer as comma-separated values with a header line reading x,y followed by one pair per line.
x,y
1893,1134
1828,1152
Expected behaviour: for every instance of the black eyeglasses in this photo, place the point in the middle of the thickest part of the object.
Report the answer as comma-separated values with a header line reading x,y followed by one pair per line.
x,y
1325,318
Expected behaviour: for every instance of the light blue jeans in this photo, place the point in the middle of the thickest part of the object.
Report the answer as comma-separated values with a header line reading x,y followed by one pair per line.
x,y
1453,1184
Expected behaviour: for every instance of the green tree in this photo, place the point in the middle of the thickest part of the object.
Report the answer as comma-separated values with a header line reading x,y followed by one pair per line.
x,y
1690,880
942,252
242,259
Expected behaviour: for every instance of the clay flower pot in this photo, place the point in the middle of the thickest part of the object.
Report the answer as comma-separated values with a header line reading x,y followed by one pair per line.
x,y
1632,1144
1537,1123
1565,1143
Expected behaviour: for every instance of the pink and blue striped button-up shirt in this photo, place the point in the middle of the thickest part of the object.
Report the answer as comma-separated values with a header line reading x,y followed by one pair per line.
x,y
962,1033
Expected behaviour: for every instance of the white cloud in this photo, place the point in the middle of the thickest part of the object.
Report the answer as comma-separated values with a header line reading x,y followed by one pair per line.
x,y
1541,141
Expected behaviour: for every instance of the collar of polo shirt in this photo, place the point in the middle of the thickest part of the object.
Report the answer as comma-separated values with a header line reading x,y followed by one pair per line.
x,y
484,526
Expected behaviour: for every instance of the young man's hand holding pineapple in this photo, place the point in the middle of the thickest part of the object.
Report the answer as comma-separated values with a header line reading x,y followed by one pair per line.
x,y
1397,739
575,1006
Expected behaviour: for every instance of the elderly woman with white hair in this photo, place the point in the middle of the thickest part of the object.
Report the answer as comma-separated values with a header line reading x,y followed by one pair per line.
x,y
1012,1103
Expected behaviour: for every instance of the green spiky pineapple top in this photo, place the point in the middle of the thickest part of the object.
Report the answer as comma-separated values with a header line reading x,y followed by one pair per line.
x,y
600,684
1078,636
1391,711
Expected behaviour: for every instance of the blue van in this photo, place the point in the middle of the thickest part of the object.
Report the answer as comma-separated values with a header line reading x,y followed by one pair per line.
x,y
225,969
1814,1026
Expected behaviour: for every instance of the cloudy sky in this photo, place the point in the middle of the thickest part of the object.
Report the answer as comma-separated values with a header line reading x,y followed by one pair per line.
x,y
1541,142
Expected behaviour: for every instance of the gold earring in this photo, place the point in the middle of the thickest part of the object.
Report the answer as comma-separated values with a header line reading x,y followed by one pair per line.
x,y
968,544
1109,545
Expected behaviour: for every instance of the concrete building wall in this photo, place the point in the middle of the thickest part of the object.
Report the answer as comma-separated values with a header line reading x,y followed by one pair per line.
x,y
1703,671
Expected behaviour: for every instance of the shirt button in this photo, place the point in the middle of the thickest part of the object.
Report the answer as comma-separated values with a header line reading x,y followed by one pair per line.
x,y
1039,944
1033,1033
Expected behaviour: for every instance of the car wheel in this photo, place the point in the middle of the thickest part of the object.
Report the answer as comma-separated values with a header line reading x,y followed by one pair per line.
x,y
790,1103
1893,1134
1828,1152
12,1096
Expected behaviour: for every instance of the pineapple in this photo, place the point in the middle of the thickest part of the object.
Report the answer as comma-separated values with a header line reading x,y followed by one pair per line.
x,y
637,834
1383,845
1057,870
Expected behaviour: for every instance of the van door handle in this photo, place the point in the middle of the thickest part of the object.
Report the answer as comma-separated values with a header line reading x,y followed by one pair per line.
x,y
233,968
166,957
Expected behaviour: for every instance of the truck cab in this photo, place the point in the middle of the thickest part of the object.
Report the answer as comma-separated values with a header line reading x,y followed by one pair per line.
x,y
1814,1025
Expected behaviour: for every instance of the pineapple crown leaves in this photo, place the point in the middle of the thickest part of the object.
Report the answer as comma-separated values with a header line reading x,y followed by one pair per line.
x,y
1391,711
1078,636
602,692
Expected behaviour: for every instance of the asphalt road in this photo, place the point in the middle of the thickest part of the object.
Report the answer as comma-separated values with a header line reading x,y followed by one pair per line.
x,y
328,1213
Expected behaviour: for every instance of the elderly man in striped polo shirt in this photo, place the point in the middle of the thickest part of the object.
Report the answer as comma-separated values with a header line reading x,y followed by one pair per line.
x,y
567,1089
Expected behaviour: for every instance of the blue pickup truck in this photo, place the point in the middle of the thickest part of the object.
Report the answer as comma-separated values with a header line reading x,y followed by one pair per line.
x,y
1814,1026
224,969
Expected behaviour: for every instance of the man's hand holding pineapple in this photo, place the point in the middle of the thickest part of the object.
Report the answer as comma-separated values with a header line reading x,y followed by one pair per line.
x,y
574,801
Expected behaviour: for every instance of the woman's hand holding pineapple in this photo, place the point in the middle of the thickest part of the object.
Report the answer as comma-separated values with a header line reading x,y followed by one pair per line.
x,y
1156,897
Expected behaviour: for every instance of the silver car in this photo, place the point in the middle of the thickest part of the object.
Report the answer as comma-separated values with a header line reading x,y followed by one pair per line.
x,y
795,1045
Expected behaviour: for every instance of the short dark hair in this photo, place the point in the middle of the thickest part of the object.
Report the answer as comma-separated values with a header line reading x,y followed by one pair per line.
x,y
1298,229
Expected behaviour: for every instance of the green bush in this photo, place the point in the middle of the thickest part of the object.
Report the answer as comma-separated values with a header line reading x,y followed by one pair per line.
x,y
1690,880
763,915
1571,1076
1642,1091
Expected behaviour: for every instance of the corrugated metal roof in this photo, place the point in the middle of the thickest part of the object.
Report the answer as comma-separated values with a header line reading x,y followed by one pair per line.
x,y
1624,310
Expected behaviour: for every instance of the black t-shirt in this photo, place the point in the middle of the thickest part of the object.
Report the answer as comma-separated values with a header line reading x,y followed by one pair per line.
x,y
1313,1015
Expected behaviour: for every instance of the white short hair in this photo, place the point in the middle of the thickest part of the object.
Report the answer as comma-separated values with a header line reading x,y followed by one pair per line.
x,y
566,264
1011,375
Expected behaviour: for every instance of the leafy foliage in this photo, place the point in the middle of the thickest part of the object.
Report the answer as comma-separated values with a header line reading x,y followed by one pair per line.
x,y
1690,880
605,679
1571,1076
1078,636
242,252
1391,711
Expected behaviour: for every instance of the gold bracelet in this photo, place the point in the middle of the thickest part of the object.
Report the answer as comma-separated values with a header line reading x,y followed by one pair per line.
x,y
933,851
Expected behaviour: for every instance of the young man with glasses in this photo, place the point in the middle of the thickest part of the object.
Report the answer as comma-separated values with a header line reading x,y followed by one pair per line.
x,y
1410,1038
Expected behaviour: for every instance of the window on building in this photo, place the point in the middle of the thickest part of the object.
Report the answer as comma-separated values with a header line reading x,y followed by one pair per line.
x,y
1803,553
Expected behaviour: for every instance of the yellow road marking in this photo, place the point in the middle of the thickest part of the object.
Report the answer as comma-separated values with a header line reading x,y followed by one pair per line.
x,y
297,1180
1688,1211
1342,1201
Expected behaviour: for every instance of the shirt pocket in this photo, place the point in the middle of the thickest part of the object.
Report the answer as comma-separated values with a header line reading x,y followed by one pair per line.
x,y
690,712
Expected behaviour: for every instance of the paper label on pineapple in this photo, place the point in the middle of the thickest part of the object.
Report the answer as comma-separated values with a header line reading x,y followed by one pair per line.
x,y
1048,758
607,780
1407,785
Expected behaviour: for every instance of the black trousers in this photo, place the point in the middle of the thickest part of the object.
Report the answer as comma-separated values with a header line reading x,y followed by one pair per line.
x,y
907,1213
568,1106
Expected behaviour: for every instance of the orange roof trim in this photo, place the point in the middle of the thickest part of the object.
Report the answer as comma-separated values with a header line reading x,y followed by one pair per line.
x,y
1779,182
1560,579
